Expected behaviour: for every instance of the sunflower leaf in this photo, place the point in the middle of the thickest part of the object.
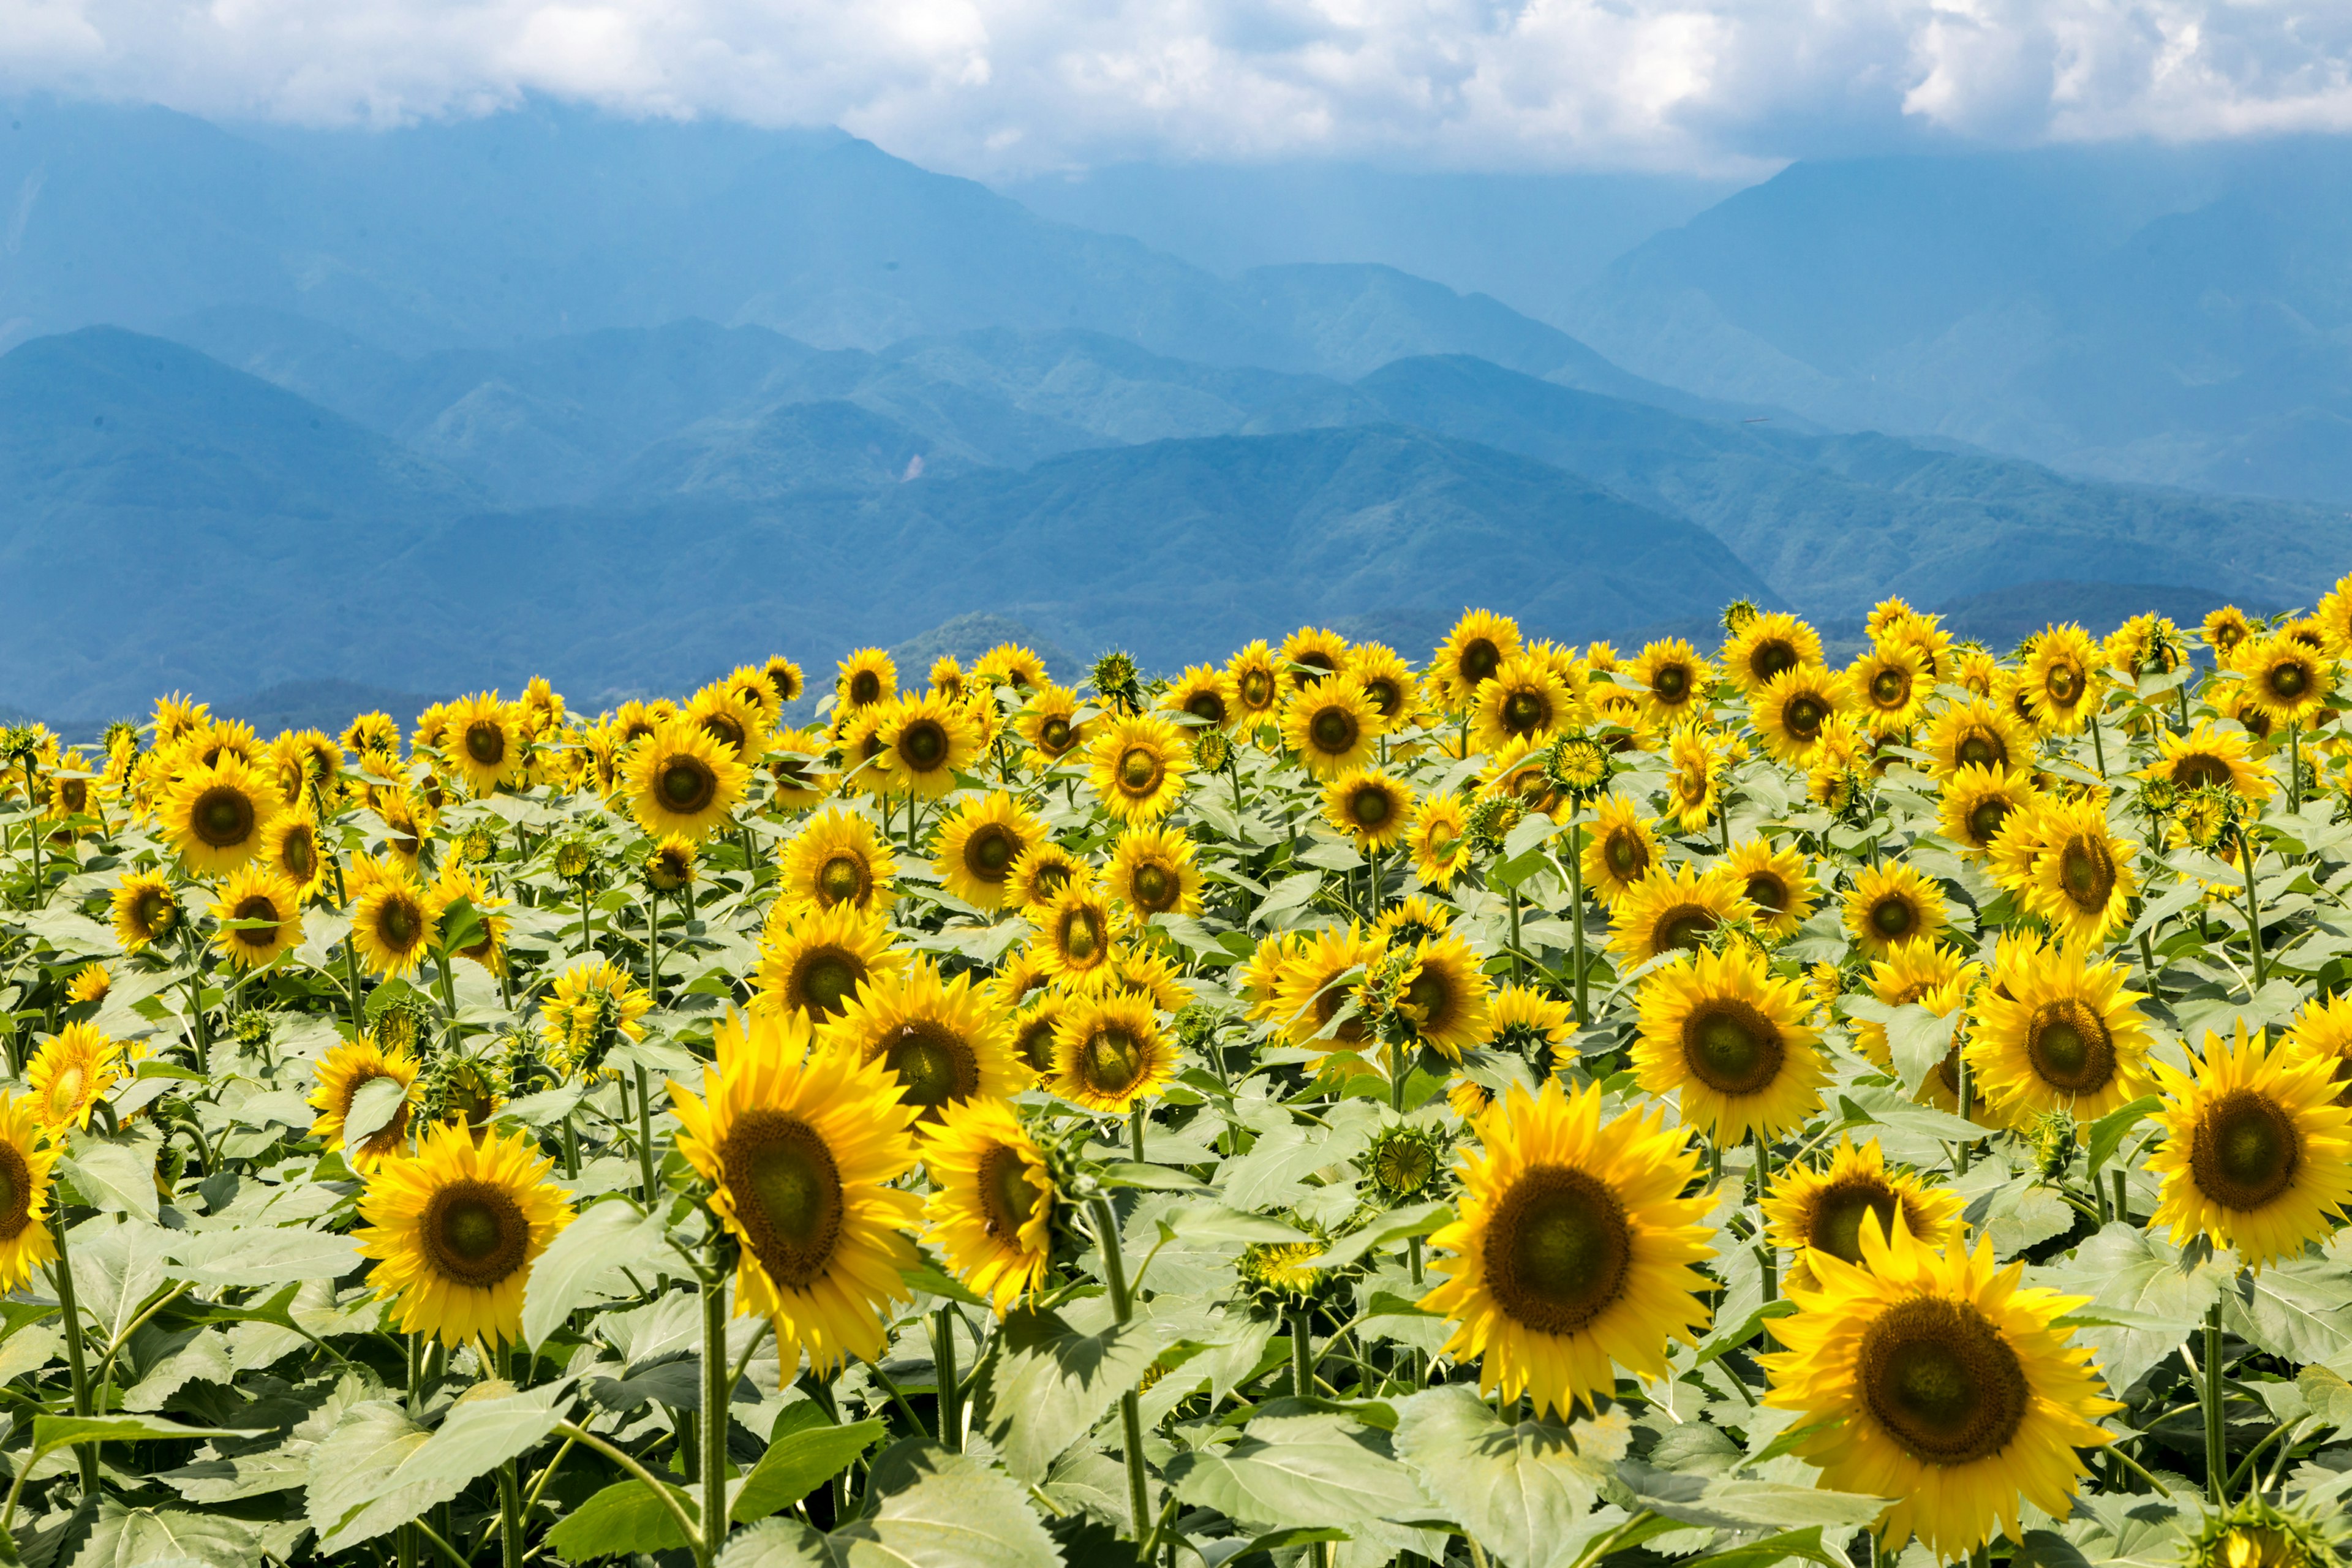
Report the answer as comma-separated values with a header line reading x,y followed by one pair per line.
x,y
2170,1288
622,1520
941,1510
1053,1383
797,1464
1526,1489
606,1235
2300,1309
2108,1133
1321,1469
373,1105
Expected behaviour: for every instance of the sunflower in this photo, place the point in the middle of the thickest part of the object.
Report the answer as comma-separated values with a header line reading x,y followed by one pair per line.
x,y
1388,681
1050,724
177,714
1675,681
1906,973
925,741
1941,1384
1975,670
992,1203
26,1155
1530,1026
593,1002
1695,788
1777,882
1110,1053
1792,711
72,1071
1144,969
1031,1030
1332,725
1889,685
1411,920
1257,683
2323,1029
979,842
393,923
794,763
1074,933
2210,755
1010,664
1154,872
1978,801
814,960
482,738
290,847
372,734
1574,1250
144,909
670,865
1727,1032
1479,645
1042,874
1671,910
455,1232
1310,654
215,817
1136,768
1309,994
2082,881
457,883
2257,1155
2053,1033
2285,680
1369,807
839,861
2062,676
1207,694
1440,840
1767,647
681,781
941,1041
1446,996
340,1075
867,677
729,716
90,984
406,825
1890,905
260,915
1620,852
1822,1208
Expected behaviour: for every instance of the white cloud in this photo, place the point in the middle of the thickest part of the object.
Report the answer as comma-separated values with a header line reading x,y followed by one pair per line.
x,y
1008,86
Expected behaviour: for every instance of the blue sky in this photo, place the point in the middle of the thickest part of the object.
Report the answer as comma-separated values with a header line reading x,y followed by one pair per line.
x,y
1004,87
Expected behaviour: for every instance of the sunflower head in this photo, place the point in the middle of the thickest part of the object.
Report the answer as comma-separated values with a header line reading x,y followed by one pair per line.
x,y
1893,904
1406,1161
216,816
1824,1207
341,1073
838,860
261,916
1440,840
942,1043
992,1203
1332,726
1283,1277
680,779
926,743
1138,767
146,910
1478,645
867,677
455,1231
1110,1053
70,1073
1155,871
670,864
1579,767
1731,1037
1369,806
980,842
2253,1532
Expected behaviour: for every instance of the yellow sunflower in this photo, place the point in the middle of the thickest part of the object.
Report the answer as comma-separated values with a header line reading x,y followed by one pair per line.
x,y
594,1003
1525,700
1411,919
1051,725
1312,990
260,915
393,923
144,909
813,961
455,1230
1074,933
2285,680
1822,1208
1155,871
1890,905
942,1042
1310,654
340,1075
802,1148
1110,1053
867,677
1977,804
1695,788
1446,996
2225,629
1574,1250
1478,645
1777,882
1731,1036
26,1155
482,739
1675,681
1042,874
72,1071
2257,1155
1033,1029
670,865
1440,840
2082,881
2053,1033
979,842
1620,850
290,847
1388,681
1668,910
1941,1384
992,1203
925,744
1332,726
489,948
1792,711
1010,664
858,733
2062,679
90,984
1906,975
1136,768
1767,647
796,767
2210,754
2323,1029
736,717
1144,970
681,781
1257,683
215,816
1369,806
837,861
1890,686
1530,1026
1207,694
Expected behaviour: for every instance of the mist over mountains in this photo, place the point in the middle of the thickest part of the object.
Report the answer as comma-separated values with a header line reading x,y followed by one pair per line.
x,y
627,402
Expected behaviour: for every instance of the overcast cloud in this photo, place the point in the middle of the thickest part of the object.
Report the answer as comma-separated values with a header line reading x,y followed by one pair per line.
x,y
1004,87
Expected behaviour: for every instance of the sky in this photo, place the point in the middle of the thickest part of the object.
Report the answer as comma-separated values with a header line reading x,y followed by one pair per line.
x,y
1001,89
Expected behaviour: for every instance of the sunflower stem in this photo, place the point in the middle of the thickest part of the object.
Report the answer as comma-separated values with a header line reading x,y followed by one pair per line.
x,y
1130,1409
2217,1449
1515,934
2253,909
652,948
1576,902
2123,1213
1963,1097
645,1136
510,1516
1302,1357
664,1494
2293,771
943,1359
716,1390
76,1361
1135,1132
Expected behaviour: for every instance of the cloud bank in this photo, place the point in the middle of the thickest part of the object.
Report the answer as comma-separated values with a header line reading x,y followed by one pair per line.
x,y
1006,87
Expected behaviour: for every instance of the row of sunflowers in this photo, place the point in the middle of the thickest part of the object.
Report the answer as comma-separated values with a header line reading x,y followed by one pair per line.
x,y
1553,1107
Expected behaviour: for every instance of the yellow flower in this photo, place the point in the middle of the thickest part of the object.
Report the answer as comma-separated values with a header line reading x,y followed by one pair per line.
x,y
1620,852
1310,994
2062,679
291,846
1669,910
393,923
1332,726
90,984
1074,935
341,1073
1730,1035
1440,840
1010,664
1310,654
2210,754
2082,881
2225,629
2053,1033
1388,681
1825,1208
483,741
736,716
215,817
1042,873
457,883
867,677
71,1072
838,860
1767,647
2285,680
593,1000
1050,724
455,1230
1444,995
1890,905
1792,711
1479,645
1976,734
1110,1053
682,781
979,842
796,767
925,744
1370,807
260,914
27,1156
1695,790
992,1203
1777,882
1155,871
1889,685
1136,768
1526,700
1574,1249
2323,1029
813,961
1207,694
1906,975
1675,681
1978,801
941,1041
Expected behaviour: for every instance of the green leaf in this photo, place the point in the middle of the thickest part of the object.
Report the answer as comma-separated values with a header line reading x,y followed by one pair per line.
x,y
1918,1041
1150,1178
1422,1219
941,1510
51,1433
1731,1503
1725,1341
377,1101
784,1542
2107,1133
1805,1543
1214,1222
797,1464
1053,1383
605,1236
113,1174
1524,1490
1315,1469
372,1496
2300,1309
167,1538
622,1520
260,1256
2125,1267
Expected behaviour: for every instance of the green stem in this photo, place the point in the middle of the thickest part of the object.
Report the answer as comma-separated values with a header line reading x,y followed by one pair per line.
x,y
943,1360
2294,767
1135,1132
716,1392
2116,1451
1515,933
2098,746
77,1364
510,1516
1302,1357
1131,1410
2253,909
2217,1449
666,1495
652,948
1576,902
645,1135
1965,1096
2123,1211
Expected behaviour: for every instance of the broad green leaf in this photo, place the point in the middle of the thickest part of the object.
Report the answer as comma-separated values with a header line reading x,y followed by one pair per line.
x,y
351,1491
605,1236
1918,1041
279,1469
1150,1178
2107,1133
117,1176
941,1510
1802,1543
1731,1503
201,1355
1053,1383
2124,1265
478,1434
1523,1489
51,1433
1399,1225
155,1537
2300,1309
377,1101
1215,1222
797,1464
622,1520
1317,1470
785,1542
262,1257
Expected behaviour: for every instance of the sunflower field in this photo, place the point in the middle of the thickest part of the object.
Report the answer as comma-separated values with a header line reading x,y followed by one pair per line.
x,y
1553,1107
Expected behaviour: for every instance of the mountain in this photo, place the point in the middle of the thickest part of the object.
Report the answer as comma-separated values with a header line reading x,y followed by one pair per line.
x,y
2173,314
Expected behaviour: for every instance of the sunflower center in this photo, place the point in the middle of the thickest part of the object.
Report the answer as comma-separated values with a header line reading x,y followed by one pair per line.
x,y
1986,817
1207,707
865,688
1838,1215
1524,711
299,856
1981,749
2070,1046
1429,996
1626,856
1803,716
1081,936
1684,926
1036,1042
223,816
1257,689
1890,689
2197,770
2086,870
2289,680
1112,1061
74,794
1442,840
15,1192
2065,683
1772,657
1384,697
1007,1192
2244,1150
1892,917
1673,683
1558,1250
1480,660
1155,889
1052,878
688,785
1138,770
989,854
935,1064
1732,1047
400,925
786,1192
1055,733
485,743
1768,892
1942,1381
259,907
841,879
66,1090
923,743
723,728
475,1233
153,911
827,978
1333,731
1405,1165
1368,807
